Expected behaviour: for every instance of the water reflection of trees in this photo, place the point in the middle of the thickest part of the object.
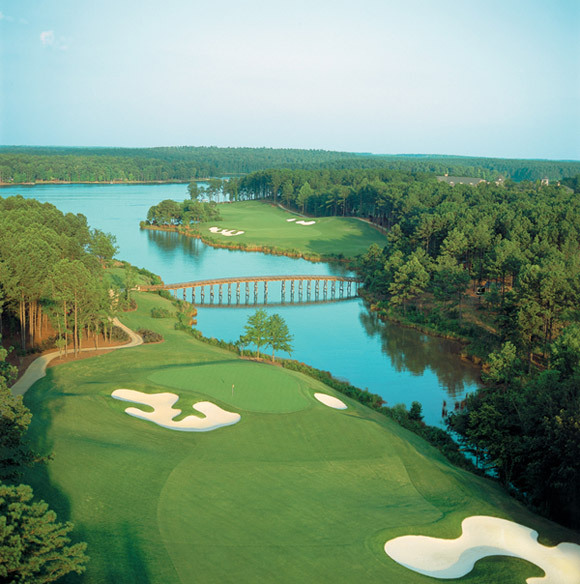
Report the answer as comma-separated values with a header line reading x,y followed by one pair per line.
x,y
169,241
412,351
338,269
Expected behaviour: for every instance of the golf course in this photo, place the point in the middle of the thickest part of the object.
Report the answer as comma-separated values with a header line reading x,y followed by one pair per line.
x,y
267,226
294,491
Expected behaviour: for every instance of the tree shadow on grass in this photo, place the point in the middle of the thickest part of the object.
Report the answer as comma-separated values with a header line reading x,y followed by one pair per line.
x,y
42,400
119,557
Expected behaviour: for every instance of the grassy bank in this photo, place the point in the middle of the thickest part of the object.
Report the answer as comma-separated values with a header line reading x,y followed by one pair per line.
x,y
295,492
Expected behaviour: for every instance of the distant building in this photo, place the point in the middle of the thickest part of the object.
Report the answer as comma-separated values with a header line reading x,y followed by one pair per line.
x,y
545,181
460,180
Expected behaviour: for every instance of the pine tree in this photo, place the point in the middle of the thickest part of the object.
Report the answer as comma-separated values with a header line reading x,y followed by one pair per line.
x,y
34,547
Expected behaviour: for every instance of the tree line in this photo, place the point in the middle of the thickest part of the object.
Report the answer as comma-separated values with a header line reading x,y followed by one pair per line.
x,y
53,292
27,164
500,267
51,273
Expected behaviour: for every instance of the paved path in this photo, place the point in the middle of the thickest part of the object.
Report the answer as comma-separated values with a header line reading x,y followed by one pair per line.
x,y
37,369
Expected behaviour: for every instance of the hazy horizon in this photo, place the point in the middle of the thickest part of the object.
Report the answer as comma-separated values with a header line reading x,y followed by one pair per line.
x,y
452,78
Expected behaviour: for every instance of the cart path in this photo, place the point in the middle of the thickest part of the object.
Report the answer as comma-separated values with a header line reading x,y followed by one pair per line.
x,y
37,369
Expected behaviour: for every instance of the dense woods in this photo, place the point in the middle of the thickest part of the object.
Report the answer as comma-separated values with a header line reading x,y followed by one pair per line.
x,y
500,267
27,164
51,274
53,293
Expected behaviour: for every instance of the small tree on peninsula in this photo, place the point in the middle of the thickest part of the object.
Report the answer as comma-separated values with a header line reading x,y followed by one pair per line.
x,y
256,329
262,330
278,335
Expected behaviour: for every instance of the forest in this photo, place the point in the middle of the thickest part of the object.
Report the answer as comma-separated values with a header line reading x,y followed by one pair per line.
x,y
51,275
27,164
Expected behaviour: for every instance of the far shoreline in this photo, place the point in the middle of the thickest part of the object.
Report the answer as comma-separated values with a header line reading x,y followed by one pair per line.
x,y
106,182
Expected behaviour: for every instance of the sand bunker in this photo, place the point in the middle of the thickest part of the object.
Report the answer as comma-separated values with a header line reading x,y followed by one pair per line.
x,y
305,222
330,401
164,412
226,232
293,219
482,537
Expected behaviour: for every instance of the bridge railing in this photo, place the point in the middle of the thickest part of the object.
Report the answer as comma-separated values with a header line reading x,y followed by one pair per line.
x,y
242,280
301,287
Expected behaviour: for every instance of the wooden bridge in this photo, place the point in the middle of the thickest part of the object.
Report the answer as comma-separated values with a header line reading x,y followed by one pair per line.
x,y
302,288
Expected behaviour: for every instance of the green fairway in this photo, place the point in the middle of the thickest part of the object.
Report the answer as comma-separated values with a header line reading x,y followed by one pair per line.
x,y
266,225
295,492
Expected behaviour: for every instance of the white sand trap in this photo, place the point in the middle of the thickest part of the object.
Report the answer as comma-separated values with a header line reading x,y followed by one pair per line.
x,y
305,222
164,412
482,537
226,232
293,219
330,401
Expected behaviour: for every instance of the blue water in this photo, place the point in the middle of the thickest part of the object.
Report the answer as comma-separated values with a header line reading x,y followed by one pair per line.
x,y
401,365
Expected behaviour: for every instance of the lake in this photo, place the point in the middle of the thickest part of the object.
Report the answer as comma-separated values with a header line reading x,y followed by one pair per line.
x,y
400,364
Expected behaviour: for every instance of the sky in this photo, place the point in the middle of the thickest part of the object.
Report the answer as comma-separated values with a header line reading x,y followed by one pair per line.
x,y
465,77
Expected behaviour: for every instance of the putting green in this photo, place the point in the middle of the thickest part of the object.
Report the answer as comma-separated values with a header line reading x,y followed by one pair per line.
x,y
256,387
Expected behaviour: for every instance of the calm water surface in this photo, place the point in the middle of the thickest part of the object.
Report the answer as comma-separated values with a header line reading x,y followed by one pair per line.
x,y
401,365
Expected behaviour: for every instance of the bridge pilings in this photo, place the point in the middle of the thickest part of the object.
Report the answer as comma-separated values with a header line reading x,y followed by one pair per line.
x,y
300,288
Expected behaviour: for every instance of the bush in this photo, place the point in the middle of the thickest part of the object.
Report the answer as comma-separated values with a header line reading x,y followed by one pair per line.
x,y
150,336
160,313
118,334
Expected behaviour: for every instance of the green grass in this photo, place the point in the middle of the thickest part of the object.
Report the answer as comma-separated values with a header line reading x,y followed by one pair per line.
x,y
295,492
265,225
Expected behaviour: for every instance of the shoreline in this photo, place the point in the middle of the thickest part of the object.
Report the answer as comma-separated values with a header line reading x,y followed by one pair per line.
x,y
449,336
247,247
106,182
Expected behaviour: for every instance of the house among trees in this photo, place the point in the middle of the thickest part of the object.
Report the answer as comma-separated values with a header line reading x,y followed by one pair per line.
x,y
460,180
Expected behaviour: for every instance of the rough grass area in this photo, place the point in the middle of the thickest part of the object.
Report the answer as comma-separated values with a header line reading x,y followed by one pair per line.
x,y
295,492
265,225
